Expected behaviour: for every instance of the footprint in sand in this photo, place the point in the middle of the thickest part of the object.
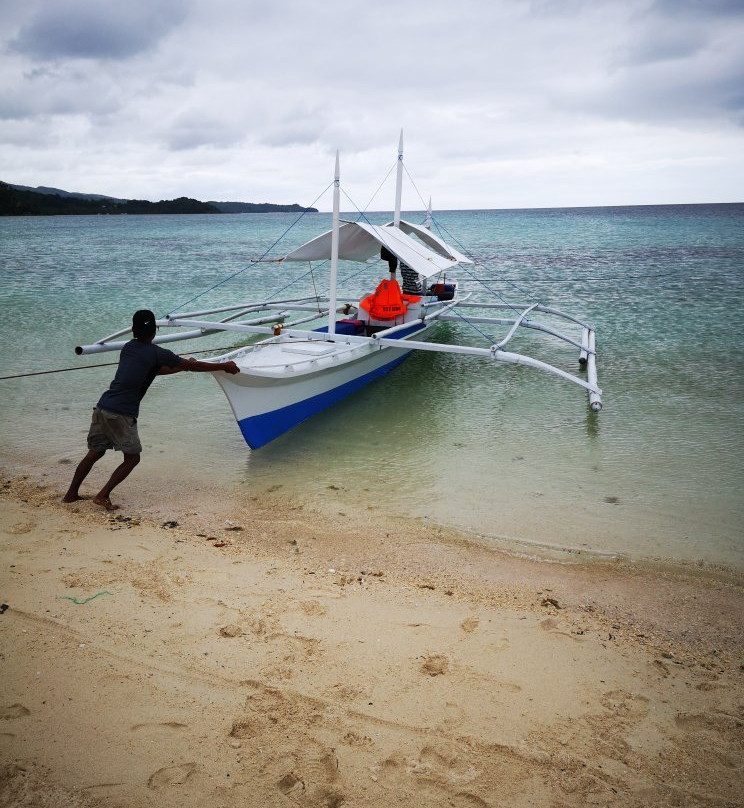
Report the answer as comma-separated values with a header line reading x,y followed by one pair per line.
x,y
625,705
551,625
435,665
21,527
291,784
343,692
313,609
245,729
717,735
231,630
470,624
435,775
454,716
171,776
14,711
312,778
697,723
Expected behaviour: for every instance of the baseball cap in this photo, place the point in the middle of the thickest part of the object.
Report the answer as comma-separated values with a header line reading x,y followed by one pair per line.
x,y
143,323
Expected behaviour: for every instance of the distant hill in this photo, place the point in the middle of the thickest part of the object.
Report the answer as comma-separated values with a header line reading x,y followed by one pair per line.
x,y
43,189
21,200
259,207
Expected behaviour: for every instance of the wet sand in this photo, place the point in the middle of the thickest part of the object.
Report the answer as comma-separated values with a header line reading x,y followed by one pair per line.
x,y
266,653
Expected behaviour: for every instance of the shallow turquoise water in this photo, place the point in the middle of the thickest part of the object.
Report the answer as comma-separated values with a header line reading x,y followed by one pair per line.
x,y
503,451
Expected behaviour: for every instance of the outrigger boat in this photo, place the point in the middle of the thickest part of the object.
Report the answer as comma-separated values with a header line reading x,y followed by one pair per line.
x,y
296,372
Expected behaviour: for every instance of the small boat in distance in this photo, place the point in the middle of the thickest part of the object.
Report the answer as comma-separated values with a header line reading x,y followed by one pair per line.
x,y
317,351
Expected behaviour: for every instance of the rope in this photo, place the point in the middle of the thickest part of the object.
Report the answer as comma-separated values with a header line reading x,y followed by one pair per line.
x,y
379,187
315,288
474,326
83,601
88,367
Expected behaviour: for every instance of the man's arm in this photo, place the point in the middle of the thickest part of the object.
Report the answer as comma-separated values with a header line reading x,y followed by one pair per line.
x,y
195,366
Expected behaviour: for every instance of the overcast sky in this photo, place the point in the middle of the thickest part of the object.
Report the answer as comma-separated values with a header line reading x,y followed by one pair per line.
x,y
503,103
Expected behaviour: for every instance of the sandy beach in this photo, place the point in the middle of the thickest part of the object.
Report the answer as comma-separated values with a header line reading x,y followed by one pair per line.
x,y
269,654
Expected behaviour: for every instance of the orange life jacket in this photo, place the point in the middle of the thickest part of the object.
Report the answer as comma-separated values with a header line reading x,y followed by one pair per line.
x,y
387,302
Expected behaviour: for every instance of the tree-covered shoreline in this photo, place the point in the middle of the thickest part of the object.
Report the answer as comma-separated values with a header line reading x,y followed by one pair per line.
x,y
21,201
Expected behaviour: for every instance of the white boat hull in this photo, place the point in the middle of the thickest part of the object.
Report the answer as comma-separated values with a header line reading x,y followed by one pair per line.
x,y
283,383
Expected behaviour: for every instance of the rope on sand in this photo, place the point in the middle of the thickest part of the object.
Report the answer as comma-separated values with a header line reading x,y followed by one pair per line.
x,y
83,601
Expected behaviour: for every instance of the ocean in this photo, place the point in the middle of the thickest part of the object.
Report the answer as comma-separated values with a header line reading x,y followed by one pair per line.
x,y
508,454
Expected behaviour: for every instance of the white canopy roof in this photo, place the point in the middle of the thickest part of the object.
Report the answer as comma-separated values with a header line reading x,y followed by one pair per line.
x,y
433,241
360,241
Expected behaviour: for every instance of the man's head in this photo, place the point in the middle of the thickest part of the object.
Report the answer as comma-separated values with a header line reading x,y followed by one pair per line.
x,y
143,324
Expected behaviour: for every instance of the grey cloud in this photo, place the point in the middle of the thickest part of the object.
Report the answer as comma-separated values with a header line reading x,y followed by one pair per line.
x,y
49,91
664,45
681,29
76,29
670,62
662,93
193,131
699,8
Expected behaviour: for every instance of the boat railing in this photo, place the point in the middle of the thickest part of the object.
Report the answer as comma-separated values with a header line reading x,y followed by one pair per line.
x,y
311,362
204,328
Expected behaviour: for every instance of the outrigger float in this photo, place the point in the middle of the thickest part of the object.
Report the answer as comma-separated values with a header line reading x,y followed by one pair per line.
x,y
296,371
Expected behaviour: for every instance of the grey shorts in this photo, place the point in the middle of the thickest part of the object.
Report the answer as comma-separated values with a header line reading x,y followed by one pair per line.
x,y
111,430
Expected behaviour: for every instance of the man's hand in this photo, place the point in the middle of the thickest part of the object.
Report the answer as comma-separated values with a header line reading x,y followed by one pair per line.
x,y
229,367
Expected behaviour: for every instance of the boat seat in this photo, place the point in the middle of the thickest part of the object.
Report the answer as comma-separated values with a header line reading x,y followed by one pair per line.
x,y
346,327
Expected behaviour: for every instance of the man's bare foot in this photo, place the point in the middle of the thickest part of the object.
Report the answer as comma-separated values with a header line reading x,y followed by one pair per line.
x,y
72,498
106,503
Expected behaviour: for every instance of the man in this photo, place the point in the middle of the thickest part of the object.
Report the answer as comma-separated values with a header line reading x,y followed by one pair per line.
x,y
411,281
114,423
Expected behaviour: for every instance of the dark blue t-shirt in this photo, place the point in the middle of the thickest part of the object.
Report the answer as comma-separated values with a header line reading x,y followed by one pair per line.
x,y
138,366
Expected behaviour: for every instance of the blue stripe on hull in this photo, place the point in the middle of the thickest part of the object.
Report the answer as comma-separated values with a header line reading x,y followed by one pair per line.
x,y
261,429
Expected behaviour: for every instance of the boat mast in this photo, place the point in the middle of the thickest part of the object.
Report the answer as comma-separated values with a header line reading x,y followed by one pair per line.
x,y
334,249
399,182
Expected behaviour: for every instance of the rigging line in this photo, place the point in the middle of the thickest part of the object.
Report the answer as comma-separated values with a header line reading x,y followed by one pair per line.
x,y
310,270
450,237
102,365
509,283
365,266
580,278
243,269
415,187
473,325
292,282
444,232
372,199
473,278
361,214
315,288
